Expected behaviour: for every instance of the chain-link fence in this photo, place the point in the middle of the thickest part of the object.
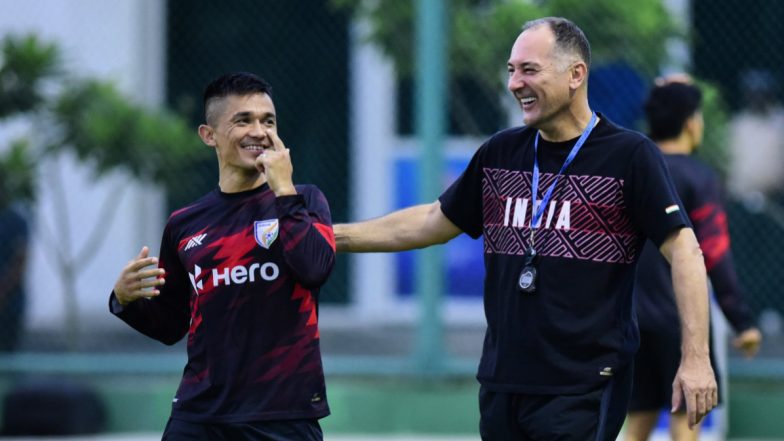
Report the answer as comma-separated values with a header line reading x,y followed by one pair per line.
x,y
311,51
344,85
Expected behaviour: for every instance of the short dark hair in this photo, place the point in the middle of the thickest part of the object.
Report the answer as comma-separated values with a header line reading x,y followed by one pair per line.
x,y
568,36
668,107
237,83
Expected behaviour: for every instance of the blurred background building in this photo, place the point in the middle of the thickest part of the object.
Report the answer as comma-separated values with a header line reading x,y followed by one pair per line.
x,y
99,102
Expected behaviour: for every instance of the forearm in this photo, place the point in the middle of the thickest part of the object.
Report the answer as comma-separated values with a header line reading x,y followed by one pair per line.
x,y
410,228
691,292
729,295
152,317
710,227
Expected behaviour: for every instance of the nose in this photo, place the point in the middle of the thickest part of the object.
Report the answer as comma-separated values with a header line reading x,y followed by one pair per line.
x,y
515,82
257,129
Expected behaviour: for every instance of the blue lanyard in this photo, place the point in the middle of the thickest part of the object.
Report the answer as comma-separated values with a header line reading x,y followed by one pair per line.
x,y
535,184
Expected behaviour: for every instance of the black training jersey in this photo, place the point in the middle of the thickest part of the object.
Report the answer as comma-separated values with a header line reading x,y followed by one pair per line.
x,y
243,272
577,328
700,191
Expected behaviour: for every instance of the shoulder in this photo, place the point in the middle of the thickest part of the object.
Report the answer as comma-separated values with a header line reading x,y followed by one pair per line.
x,y
188,210
615,136
14,222
312,194
622,146
702,169
309,190
511,135
502,143
14,214
693,171
691,166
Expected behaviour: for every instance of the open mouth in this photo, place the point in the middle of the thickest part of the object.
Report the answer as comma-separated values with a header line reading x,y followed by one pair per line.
x,y
255,148
527,101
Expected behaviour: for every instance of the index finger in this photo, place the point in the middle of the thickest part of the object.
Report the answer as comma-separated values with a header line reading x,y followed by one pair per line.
x,y
677,397
144,252
277,144
138,264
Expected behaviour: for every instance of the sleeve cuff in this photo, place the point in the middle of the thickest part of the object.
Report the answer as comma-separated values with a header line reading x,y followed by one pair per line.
x,y
114,305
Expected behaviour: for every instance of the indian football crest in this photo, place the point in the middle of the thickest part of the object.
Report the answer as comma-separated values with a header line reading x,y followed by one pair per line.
x,y
266,232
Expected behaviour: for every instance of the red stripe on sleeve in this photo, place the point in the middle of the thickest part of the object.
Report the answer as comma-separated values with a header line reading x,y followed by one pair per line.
x,y
710,223
327,232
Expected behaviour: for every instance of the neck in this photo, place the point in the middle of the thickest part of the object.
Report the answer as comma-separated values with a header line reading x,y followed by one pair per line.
x,y
568,126
235,183
676,146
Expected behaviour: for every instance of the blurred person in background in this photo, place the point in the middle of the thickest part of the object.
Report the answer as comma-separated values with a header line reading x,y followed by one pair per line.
x,y
239,273
14,238
675,123
558,352
756,140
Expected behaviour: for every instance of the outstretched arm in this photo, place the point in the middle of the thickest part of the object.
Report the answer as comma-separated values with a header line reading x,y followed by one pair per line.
x,y
142,300
410,228
710,226
694,384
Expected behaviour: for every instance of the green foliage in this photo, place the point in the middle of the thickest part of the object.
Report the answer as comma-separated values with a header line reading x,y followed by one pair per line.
x,y
482,32
104,128
25,62
480,37
25,65
635,32
483,36
17,174
714,143
90,118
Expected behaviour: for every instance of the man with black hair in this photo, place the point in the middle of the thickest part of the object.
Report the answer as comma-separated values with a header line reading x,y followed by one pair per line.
x,y
675,123
564,204
239,274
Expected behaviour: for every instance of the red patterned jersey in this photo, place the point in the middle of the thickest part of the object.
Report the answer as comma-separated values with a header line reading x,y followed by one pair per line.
x,y
243,271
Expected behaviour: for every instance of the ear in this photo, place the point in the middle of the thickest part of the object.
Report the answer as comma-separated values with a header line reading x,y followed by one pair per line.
x,y
695,126
578,73
691,124
207,135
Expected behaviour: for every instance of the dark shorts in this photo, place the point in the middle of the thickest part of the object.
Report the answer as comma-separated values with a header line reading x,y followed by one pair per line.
x,y
594,416
655,366
286,430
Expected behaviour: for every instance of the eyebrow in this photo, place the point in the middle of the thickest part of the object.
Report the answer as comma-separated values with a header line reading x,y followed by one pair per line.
x,y
523,64
243,115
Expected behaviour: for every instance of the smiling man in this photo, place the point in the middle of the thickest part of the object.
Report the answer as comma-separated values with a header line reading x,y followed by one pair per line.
x,y
564,204
239,274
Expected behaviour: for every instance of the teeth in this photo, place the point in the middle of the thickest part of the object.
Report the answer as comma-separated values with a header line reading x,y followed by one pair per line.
x,y
253,147
527,100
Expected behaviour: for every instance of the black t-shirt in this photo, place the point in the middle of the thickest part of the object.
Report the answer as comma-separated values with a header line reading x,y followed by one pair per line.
x,y
700,190
578,327
243,272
